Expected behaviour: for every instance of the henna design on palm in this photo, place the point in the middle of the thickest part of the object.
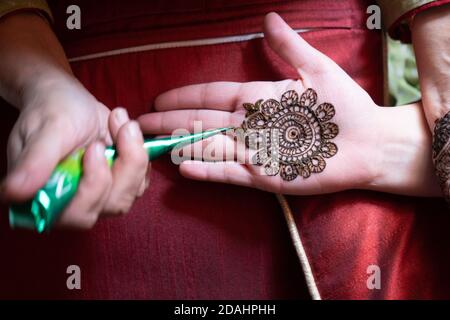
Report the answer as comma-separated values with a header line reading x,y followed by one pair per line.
x,y
292,136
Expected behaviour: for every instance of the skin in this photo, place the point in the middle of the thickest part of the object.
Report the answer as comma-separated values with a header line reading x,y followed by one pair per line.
x,y
432,50
36,78
432,47
57,116
380,148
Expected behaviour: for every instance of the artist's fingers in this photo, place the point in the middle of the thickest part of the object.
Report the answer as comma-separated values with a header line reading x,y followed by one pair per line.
x,y
14,148
117,118
93,190
146,182
129,169
169,121
225,172
291,47
36,161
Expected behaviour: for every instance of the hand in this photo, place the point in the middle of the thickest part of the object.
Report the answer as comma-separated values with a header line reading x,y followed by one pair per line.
x,y
59,116
378,148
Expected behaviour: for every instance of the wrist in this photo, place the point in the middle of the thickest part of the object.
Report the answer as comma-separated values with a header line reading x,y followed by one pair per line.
x,y
403,152
431,46
29,51
43,84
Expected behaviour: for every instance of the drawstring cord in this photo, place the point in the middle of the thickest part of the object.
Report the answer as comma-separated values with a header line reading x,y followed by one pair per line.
x,y
296,239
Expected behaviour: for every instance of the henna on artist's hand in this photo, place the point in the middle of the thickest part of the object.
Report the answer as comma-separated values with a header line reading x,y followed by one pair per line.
x,y
292,136
441,153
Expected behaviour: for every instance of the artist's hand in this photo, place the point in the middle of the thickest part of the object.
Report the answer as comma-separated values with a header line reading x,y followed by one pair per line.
x,y
57,118
378,148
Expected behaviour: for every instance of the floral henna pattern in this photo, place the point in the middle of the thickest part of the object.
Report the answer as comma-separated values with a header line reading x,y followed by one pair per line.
x,y
292,136
441,153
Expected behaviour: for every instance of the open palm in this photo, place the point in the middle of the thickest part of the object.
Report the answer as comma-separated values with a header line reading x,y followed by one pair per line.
x,y
221,104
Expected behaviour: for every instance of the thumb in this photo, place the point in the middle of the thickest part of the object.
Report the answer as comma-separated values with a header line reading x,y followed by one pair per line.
x,y
291,47
36,162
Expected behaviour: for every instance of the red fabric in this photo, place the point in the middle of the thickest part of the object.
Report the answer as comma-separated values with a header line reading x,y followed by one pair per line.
x,y
345,233
111,24
400,30
186,239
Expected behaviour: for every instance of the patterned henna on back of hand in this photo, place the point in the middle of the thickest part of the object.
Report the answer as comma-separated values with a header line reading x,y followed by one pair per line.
x,y
292,136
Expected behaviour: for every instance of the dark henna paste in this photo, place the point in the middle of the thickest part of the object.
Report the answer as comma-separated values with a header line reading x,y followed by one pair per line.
x,y
292,136
441,153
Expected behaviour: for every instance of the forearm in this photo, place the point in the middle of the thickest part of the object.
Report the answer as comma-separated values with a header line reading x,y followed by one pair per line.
x,y
432,48
403,152
30,54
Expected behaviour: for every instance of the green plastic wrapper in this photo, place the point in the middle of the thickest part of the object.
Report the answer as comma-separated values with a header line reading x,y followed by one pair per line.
x,y
41,212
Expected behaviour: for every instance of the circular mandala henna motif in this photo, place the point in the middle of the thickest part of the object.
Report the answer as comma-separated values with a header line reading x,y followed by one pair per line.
x,y
256,121
309,98
272,168
325,112
316,164
330,130
296,134
288,172
270,106
304,171
289,98
296,131
328,149
261,157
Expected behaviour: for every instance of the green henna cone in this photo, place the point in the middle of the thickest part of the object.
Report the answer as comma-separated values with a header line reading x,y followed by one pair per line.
x,y
41,212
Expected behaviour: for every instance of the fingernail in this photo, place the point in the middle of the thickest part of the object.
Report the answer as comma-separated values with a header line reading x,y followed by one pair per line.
x,y
133,129
99,150
121,115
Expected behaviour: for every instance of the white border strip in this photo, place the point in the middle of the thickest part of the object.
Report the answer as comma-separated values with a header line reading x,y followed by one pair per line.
x,y
175,44
295,235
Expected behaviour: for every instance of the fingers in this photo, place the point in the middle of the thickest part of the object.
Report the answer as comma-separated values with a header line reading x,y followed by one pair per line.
x,y
93,190
291,47
35,163
225,172
129,169
117,118
144,185
246,175
106,191
218,96
214,95
169,121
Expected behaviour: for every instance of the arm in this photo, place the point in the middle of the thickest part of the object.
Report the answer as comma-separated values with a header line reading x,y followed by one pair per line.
x,y
432,48
57,116
404,143
29,58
